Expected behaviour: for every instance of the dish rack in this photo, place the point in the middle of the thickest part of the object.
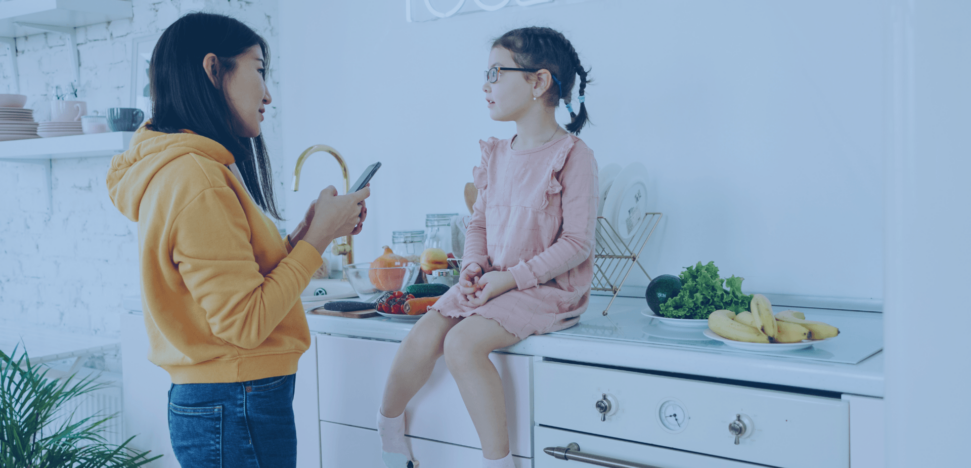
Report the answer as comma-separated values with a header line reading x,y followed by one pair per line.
x,y
614,258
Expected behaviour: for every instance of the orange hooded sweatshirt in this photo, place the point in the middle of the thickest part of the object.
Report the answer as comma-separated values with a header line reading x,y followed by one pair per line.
x,y
220,286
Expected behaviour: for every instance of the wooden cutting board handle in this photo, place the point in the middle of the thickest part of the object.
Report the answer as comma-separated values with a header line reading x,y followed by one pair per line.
x,y
471,193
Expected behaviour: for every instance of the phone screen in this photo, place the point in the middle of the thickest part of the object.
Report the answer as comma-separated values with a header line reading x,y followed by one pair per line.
x,y
365,177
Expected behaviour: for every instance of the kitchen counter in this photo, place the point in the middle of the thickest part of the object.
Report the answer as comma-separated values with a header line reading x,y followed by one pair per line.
x,y
342,377
864,378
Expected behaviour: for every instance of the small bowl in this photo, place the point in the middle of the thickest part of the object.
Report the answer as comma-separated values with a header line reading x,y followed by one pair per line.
x,y
13,100
449,277
94,124
359,275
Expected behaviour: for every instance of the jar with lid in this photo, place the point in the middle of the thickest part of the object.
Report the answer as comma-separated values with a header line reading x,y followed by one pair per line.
x,y
438,228
408,244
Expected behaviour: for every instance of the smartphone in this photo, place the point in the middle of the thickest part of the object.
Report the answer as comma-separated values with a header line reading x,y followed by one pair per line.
x,y
365,177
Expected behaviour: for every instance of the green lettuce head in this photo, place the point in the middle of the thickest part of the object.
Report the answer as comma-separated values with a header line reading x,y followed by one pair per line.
x,y
703,292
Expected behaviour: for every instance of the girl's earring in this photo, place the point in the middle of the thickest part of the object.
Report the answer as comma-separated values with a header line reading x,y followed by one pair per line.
x,y
534,98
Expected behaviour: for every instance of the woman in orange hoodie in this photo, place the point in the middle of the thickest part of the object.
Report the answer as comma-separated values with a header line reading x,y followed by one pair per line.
x,y
220,286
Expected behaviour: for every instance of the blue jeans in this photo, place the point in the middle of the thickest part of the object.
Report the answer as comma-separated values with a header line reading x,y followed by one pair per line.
x,y
234,425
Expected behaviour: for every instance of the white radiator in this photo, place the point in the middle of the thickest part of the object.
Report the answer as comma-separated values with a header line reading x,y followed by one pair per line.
x,y
96,405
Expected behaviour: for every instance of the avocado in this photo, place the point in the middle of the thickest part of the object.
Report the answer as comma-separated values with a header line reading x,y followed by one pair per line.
x,y
661,289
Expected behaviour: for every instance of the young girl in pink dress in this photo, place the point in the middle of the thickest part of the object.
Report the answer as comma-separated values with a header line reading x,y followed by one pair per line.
x,y
528,259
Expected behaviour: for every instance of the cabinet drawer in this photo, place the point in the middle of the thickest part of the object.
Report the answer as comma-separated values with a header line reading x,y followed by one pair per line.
x,y
352,373
783,429
348,446
630,452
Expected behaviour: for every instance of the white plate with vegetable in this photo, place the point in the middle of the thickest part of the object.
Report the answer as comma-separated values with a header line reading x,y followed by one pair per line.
x,y
770,347
675,322
656,329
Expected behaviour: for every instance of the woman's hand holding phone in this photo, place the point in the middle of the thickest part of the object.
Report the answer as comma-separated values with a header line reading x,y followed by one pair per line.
x,y
336,216
360,226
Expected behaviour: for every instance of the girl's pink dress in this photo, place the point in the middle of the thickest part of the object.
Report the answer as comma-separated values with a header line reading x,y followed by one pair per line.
x,y
535,217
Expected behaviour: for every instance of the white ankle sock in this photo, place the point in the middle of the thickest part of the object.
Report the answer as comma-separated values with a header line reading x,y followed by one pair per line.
x,y
504,462
393,441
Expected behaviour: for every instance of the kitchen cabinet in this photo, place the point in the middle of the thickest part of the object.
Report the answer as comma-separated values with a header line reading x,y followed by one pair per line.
x,y
867,432
351,446
774,427
352,375
552,385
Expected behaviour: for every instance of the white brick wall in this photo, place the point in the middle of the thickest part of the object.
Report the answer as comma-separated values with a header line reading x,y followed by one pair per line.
x,y
68,257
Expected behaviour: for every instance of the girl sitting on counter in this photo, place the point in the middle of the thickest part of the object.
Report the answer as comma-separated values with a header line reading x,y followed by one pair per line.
x,y
528,260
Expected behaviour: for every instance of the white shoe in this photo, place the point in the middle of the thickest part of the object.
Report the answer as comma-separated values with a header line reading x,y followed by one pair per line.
x,y
394,446
504,462
397,460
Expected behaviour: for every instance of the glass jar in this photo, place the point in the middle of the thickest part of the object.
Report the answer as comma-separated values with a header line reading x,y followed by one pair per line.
x,y
408,244
94,124
439,231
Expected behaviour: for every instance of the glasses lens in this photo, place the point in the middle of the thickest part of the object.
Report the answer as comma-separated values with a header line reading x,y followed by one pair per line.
x,y
493,75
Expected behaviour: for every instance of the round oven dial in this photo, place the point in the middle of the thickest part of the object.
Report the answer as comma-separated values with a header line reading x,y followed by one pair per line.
x,y
672,415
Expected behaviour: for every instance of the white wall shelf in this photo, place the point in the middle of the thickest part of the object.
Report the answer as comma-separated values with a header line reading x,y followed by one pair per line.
x,y
78,146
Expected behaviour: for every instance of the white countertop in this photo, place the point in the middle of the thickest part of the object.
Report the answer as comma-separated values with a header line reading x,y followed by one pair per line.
x,y
865,378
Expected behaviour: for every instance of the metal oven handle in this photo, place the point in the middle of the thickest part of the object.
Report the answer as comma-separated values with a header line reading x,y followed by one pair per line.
x,y
572,453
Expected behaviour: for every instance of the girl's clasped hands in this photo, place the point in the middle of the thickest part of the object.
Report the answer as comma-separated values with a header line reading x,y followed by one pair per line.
x,y
478,288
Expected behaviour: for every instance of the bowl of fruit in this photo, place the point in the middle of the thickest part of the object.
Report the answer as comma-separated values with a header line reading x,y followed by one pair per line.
x,y
387,273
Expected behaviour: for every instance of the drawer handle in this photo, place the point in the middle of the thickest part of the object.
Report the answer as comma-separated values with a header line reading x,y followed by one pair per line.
x,y
572,453
603,406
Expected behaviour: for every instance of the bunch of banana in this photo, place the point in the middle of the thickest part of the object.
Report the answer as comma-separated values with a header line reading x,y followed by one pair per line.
x,y
762,315
760,326
818,330
786,332
724,324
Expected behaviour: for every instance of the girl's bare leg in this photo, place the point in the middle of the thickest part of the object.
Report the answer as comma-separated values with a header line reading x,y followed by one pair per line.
x,y
414,361
467,348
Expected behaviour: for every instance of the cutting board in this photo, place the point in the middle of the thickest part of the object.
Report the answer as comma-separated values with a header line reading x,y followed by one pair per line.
x,y
367,313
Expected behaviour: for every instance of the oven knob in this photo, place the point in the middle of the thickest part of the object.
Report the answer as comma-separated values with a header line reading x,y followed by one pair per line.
x,y
603,407
738,428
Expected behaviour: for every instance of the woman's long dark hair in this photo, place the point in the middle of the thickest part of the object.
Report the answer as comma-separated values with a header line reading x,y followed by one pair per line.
x,y
183,97
547,48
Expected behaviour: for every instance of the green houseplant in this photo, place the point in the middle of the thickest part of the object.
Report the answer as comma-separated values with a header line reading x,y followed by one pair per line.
x,y
29,438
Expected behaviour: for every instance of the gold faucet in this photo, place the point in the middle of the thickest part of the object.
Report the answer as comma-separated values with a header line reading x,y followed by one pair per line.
x,y
346,249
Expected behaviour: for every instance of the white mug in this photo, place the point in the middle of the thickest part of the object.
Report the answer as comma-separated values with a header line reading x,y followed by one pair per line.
x,y
68,111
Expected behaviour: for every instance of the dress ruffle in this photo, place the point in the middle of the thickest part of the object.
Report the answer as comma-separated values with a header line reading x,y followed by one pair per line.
x,y
480,173
559,160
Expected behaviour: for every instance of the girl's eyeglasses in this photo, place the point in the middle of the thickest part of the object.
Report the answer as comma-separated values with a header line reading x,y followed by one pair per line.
x,y
492,76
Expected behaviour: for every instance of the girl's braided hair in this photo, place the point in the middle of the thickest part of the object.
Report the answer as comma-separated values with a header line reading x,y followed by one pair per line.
x,y
546,48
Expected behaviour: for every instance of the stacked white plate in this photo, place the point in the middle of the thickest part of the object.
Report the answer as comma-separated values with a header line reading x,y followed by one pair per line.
x,y
623,197
59,129
17,124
